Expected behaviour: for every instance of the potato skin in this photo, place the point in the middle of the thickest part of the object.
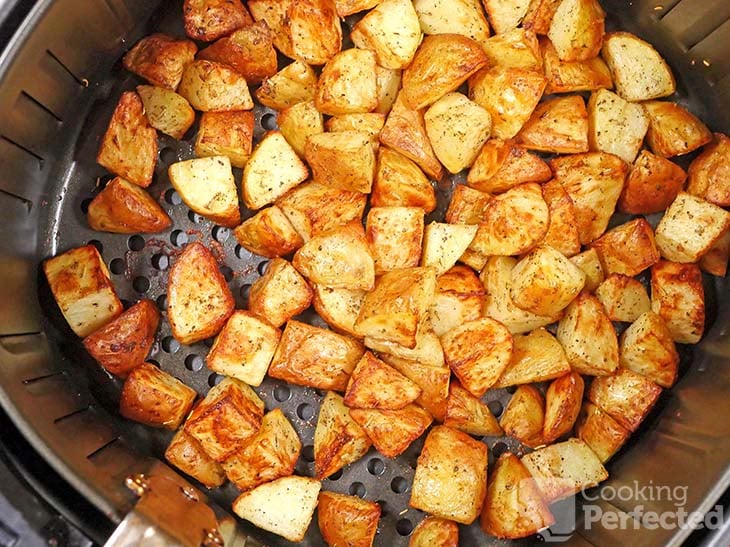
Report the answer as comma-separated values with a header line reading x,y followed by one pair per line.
x,y
652,185
673,130
628,249
160,59
347,520
709,173
125,208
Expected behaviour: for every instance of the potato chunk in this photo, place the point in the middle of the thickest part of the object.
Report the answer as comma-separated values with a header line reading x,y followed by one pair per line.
x,y
451,476
506,15
293,84
154,398
616,126
539,15
435,531
279,294
338,307
275,14
198,298
467,206
652,185
388,81
459,298
227,134
562,405
433,381
589,262
709,172
452,17
214,87
395,235
674,131
524,416
601,432
249,50
122,345
160,59
399,182
562,233
369,122
207,186
374,384
344,160
347,520
501,165
514,48
678,297
624,298
166,110
427,350
347,84
125,208
185,453
80,283
647,348
129,145
715,261
628,249
469,414
392,30
536,357
573,76
299,122
268,233
626,396
392,431
576,29
208,20
443,244
315,30
557,125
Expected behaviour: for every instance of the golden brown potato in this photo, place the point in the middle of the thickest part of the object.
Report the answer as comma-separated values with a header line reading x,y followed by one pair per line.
x,y
279,294
129,145
185,453
392,431
501,165
628,249
594,182
639,72
347,84
435,532
338,439
314,208
647,348
268,233
160,59
244,348
347,520
557,125
369,122
339,258
166,110
299,122
514,507
226,134
459,298
652,185
316,34
589,262
616,126
510,95
274,13
673,130
708,173
399,182
715,261
562,231
272,453
214,87
388,83
536,357
601,432
338,307
394,235
427,351
125,208
315,357
506,15
343,160
249,50
478,352
467,206
397,305
207,186
626,396
293,84
678,297
391,30
198,298
80,283
562,405
576,30
433,381
123,344
208,20
524,416
539,15
348,7
374,384
573,76
466,412
442,63
544,281
154,398
588,337
444,244
452,17
624,298
451,476
515,48
689,228
229,415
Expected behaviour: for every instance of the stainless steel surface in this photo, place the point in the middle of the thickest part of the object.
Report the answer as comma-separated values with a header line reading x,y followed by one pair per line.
x,y
59,80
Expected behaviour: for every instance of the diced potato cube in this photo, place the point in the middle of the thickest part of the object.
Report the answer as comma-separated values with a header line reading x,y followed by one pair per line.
x,y
647,348
347,84
185,453
268,233
299,122
576,29
562,405
589,262
626,396
293,84
443,244
616,126
399,182
601,432
154,398
166,110
502,165
435,531
388,81
226,134
539,15
369,122
343,160
557,125
248,50
652,185
427,351
125,208
214,87
208,20
624,298
562,231
673,130
160,59
505,15
709,172
524,416
80,283
573,76
275,14
715,261
468,413
628,249
392,431
514,48
394,235
279,294
467,206
678,297
452,17
374,384
451,476
347,520
536,357
338,307
315,30
433,381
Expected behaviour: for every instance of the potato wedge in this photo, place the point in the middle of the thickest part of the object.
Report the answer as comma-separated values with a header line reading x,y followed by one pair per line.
x,y
502,165
185,453
708,173
557,125
459,298
347,84
339,258
433,531
451,476
279,294
673,130
299,122
599,431
678,297
467,206
443,244
539,15
562,231
227,134
514,506
536,357
344,160
515,48
626,396
338,307
562,406
395,235
374,384
370,122
207,186
154,398
347,520
628,249
166,110
715,261
392,31
652,185
576,30
199,301
433,381
589,262
214,87
268,233
524,416
293,84
452,17
123,344
392,431
639,71
160,59
208,20
82,288
427,351
129,145
624,298
125,208
399,182
315,30
647,348
284,507
506,15
275,13
616,126
573,76
469,414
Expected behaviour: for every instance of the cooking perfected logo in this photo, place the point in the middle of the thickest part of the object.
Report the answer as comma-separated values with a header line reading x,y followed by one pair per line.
x,y
634,506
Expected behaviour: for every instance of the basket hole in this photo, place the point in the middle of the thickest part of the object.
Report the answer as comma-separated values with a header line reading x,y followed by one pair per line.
x,y
227,272
242,253
85,205
194,362
178,238
221,234
376,467
245,290
170,345
141,284
160,262
495,407
358,489
268,121
511,389
498,449
305,411
384,508
194,217
126,304
99,247
153,362
214,379
117,266
135,243
172,197
308,453
337,475
263,267
404,527
162,302
282,393
399,485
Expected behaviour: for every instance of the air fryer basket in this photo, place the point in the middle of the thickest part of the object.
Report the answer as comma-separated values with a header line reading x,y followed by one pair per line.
x,y
59,79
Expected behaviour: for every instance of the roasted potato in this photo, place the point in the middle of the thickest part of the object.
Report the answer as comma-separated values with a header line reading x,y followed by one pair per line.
x,y
299,122
433,381
444,244
315,30
573,76
451,476
229,415
624,298
588,337
279,294
284,506
122,345
160,59
515,48
689,228
80,283
129,145
647,348
338,307
536,357
502,165
199,301
272,170
214,87
562,406
315,357
347,520
452,17
678,297
208,20
459,298
293,84
399,182
674,131
268,233
339,258
562,231
125,208
207,186
391,30
466,412
626,396
227,134
395,235
154,398
708,173
427,351
388,84
576,30
435,532
338,439
348,7
599,431
467,206
589,262
616,126
506,15
524,416
347,84
272,453
369,122
628,249
344,160
557,125
639,72
652,185
392,431
166,110
275,14
539,15
715,261
185,453
244,348
374,384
